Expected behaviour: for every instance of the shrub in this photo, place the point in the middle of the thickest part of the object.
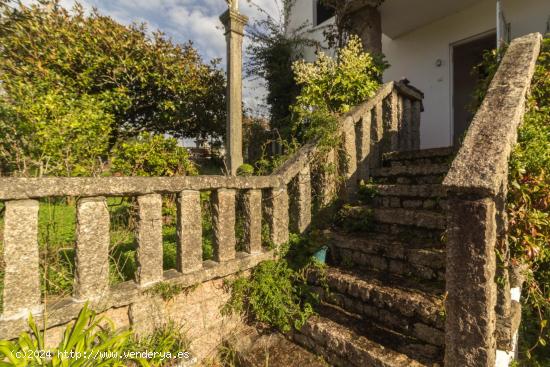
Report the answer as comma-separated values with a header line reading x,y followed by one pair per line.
x,y
529,211
151,155
336,85
53,133
89,334
276,293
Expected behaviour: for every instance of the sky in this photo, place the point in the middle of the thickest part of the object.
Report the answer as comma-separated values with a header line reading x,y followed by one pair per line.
x,y
184,20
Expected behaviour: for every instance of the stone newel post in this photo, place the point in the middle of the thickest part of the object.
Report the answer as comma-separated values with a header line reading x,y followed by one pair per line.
x,y
234,23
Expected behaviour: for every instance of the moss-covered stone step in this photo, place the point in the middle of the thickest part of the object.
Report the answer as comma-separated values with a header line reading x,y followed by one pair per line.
x,y
275,350
378,333
384,253
427,197
411,311
418,157
367,216
411,174
343,348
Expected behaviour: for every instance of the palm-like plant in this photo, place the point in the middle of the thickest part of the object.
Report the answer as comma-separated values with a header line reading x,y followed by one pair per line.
x,y
90,341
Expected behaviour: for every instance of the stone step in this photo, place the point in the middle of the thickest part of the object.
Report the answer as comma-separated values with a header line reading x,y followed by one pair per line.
x,y
413,348
425,156
390,302
362,214
410,217
421,174
341,346
427,197
383,253
411,191
275,350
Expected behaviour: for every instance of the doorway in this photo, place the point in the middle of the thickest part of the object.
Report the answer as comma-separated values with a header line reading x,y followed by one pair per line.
x,y
466,55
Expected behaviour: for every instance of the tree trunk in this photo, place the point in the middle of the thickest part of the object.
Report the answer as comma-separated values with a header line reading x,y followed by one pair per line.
x,y
366,22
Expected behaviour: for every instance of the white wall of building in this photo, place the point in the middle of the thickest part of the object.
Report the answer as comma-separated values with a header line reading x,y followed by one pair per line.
x,y
414,55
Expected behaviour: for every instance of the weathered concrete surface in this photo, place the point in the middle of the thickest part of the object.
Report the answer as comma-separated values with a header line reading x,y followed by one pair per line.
x,y
149,239
234,24
410,217
278,215
189,229
344,348
301,205
366,22
362,134
21,277
26,188
92,249
482,163
252,208
349,163
471,288
223,224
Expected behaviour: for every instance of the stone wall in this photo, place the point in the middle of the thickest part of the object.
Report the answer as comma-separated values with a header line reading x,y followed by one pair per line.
x,y
196,311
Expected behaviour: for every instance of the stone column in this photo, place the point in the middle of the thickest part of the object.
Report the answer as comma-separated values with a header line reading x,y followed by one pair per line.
x,y
252,205
471,287
223,223
363,136
92,249
349,169
301,205
278,215
234,23
22,271
366,22
405,132
415,125
189,228
149,239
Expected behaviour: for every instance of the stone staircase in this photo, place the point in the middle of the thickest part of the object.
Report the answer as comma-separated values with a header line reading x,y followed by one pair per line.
x,y
383,291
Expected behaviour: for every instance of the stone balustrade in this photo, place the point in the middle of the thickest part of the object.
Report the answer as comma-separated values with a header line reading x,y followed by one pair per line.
x,y
389,121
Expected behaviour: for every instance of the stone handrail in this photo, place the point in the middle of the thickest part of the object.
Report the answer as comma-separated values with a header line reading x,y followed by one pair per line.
x,y
482,162
389,121
477,185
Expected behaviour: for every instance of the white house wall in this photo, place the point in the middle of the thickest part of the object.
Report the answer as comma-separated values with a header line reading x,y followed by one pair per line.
x,y
414,55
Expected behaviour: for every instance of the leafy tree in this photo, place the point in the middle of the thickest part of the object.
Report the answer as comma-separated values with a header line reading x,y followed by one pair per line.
x,y
273,48
118,76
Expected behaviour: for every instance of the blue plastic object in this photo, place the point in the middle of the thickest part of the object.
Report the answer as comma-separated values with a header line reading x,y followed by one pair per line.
x,y
321,254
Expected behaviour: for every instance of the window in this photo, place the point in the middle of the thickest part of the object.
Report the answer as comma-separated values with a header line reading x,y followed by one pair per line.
x,y
323,13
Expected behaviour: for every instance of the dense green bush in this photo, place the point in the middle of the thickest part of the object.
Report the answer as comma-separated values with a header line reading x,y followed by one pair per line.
x,y
151,155
276,293
74,84
529,212
336,85
51,132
